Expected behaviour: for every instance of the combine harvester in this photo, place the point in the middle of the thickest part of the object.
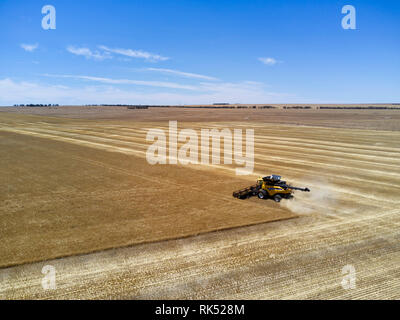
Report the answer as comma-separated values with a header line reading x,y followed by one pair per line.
x,y
269,187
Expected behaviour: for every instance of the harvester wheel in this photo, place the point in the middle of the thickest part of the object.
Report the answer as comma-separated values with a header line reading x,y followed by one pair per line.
x,y
261,195
277,198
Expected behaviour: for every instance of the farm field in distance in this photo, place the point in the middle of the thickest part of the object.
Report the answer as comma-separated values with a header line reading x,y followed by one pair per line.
x,y
80,195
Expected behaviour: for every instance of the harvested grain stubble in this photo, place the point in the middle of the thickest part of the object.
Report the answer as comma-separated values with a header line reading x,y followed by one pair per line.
x,y
355,221
64,196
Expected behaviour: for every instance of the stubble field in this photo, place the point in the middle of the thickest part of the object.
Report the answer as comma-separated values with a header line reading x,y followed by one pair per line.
x,y
73,187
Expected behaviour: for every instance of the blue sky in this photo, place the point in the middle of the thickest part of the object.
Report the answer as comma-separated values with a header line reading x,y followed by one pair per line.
x,y
188,52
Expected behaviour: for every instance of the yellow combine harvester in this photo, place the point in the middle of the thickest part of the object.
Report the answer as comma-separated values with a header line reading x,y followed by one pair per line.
x,y
269,187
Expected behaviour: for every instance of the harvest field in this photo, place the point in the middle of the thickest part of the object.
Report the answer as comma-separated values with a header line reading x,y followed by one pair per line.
x,y
78,194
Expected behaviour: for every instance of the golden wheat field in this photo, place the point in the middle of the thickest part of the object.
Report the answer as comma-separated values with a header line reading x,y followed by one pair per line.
x,y
77,193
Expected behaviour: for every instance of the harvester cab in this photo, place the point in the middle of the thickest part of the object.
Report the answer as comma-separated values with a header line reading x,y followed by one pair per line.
x,y
269,187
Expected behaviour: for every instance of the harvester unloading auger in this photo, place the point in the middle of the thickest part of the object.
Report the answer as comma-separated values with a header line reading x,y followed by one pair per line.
x,y
269,187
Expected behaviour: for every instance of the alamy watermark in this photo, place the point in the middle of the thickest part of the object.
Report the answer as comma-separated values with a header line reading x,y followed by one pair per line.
x,y
349,277
349,20
49,279
49,20
196,147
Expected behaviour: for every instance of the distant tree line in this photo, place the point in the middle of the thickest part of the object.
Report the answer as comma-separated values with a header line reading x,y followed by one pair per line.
x,y
213,106
110,105
220,106
36,105
360,108
138,107
297,107
209,107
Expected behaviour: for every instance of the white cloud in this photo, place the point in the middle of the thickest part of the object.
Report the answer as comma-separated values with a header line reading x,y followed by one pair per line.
x,y
12,92
88,54
269,61
29,47
161,84
183,74
135,54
